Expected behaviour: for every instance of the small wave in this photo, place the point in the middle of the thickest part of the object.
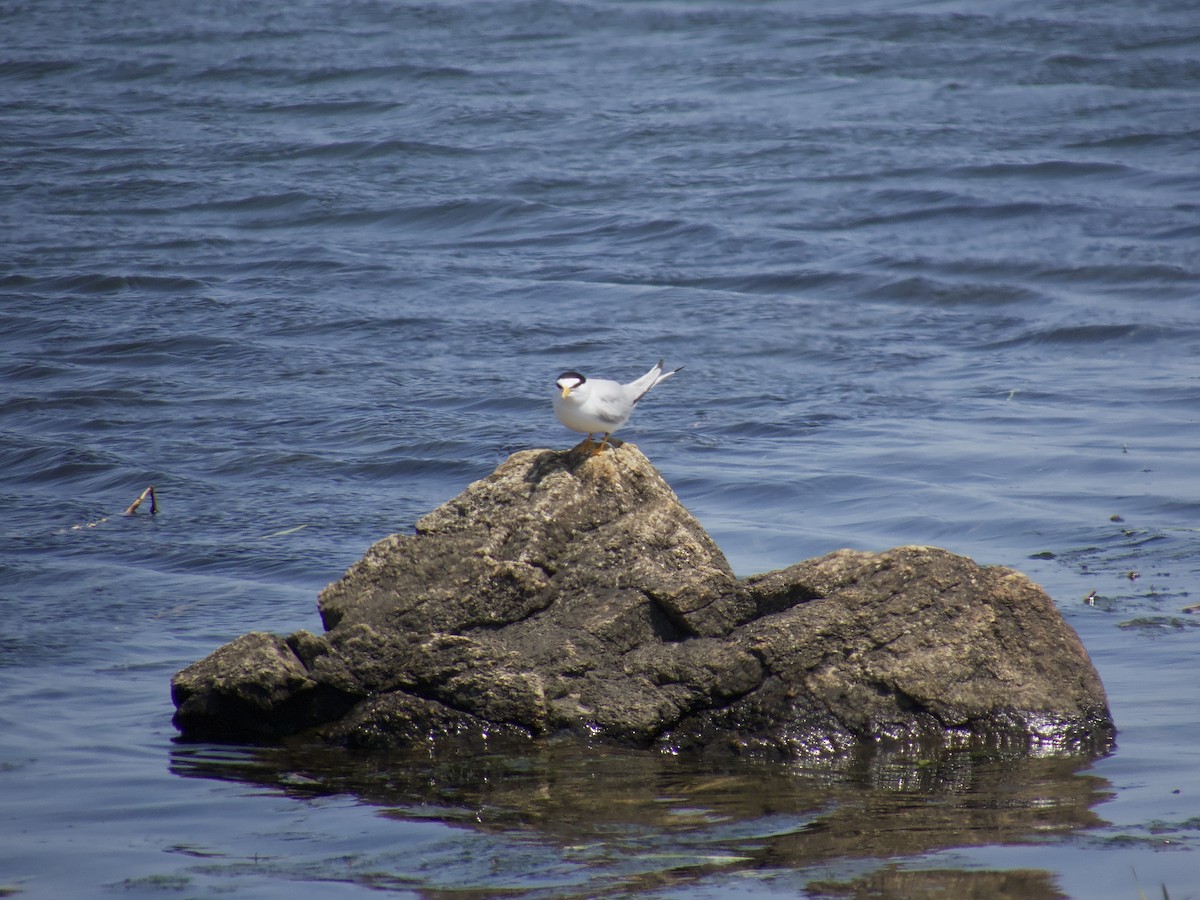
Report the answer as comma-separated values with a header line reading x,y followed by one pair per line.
x,y
461,215
1127,71
377,149
928,291
84,469
124,71
80,399
1087,335
1155,274
980,210
751,489
1186,232
797,281
34,370
35,69
398,71
331,108
1055,169
1136,140
255,203
157,349
364,326
401,467
106,283
659,229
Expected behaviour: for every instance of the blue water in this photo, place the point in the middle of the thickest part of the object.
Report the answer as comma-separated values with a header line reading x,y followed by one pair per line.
x,y
310,268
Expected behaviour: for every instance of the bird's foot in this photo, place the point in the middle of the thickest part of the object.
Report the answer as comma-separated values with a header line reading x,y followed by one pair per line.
x,y
590,446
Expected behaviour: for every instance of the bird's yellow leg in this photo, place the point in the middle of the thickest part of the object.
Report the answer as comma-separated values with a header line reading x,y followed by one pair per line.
x,y
603,441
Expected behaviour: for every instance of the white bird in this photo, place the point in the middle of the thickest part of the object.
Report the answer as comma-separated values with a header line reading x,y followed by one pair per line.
x,y
594,405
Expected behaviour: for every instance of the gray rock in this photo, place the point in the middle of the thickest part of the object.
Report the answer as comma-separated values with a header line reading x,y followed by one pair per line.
x,y
574,593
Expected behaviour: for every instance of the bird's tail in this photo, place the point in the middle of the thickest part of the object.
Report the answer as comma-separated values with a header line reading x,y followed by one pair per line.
x,y
653,378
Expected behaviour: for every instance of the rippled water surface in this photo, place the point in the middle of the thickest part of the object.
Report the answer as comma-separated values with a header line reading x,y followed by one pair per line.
x,y
310,268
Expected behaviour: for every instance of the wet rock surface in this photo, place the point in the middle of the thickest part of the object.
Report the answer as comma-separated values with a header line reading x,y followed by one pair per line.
x,y
568,592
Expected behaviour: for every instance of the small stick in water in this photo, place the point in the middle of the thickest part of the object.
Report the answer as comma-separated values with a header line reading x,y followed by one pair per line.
x,y
148,492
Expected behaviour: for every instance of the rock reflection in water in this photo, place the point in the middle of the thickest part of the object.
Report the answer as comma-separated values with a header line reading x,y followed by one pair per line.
x,y
927,884
629,821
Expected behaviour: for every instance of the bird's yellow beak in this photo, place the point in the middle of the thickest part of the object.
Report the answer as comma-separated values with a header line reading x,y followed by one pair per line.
x,y
566,391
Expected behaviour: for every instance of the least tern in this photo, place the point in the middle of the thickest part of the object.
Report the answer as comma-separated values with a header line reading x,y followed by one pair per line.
x,y
597,405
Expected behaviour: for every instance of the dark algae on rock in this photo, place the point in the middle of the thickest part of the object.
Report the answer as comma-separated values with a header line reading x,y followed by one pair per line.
x,y
572,593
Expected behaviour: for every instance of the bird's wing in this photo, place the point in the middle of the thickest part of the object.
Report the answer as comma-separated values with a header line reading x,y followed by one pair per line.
x,y
612,403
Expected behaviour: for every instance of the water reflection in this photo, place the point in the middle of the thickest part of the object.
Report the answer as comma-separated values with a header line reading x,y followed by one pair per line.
x,y
620,820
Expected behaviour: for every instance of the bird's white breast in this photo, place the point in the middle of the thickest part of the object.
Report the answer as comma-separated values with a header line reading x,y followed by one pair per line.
x,y
589,411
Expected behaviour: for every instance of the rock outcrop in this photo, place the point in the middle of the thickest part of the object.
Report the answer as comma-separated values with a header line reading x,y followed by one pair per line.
x,y
574,593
